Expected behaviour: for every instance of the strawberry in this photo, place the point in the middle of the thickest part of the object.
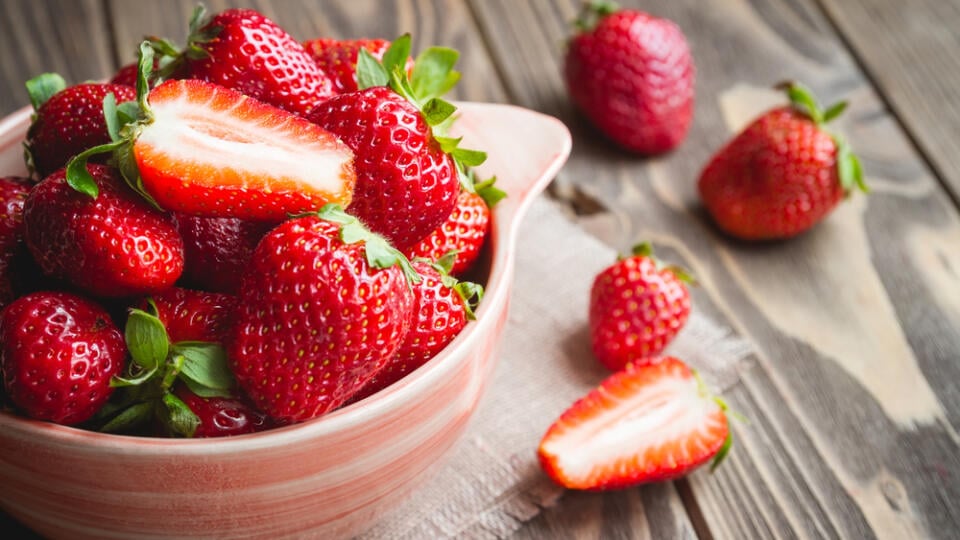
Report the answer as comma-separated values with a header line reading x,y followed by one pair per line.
x,y
782,174
112,246
632,75
198,148
58,352
338,58
189,315
464,231
68,120
13,191
217,250
323,307
221,417
441,308
407,171
243,50
637,306
647,423
126,75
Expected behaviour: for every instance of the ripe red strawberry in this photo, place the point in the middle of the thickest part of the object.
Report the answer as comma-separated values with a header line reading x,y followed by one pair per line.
x,y
407,175
243,50
222,417
632,75
643,424
13,191
190,315
217,250
68,120
441,308
338,58
323,307
206,150
112,246
126,75
782,174
637,307
464,231
59,352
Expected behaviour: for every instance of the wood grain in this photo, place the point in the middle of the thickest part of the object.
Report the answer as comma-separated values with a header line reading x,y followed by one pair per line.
x,y
853,415
914,67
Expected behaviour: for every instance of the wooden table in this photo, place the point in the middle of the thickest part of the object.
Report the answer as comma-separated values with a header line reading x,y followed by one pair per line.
x,y
853,394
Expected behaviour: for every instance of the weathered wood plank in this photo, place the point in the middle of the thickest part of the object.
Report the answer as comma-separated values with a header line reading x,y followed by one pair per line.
x,y
915,67
854,415
76,46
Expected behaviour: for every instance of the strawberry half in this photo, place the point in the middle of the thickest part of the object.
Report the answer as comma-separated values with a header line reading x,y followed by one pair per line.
x,y
643,424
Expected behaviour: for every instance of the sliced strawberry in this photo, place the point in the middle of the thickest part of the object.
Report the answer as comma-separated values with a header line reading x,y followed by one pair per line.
x,y
207,150
643,424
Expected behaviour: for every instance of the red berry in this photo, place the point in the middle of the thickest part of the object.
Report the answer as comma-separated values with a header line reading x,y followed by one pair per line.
x,y
465,231
338,58
59,352
218,250
13,192
636,309
222,417
632,75
194,315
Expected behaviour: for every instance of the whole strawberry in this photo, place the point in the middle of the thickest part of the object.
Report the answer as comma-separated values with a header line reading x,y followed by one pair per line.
x,y
68,120
407,175
243,50
338,58
632,75
59,352
221,417
325,304
13,191
464,231
217,250
637,306
782,174
189,315
113,245
441,308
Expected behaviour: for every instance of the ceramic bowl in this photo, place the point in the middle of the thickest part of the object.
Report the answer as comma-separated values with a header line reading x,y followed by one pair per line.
x,y
329,477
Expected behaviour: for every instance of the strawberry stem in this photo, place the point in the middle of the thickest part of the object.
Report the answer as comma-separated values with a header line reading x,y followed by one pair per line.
x,y
592,12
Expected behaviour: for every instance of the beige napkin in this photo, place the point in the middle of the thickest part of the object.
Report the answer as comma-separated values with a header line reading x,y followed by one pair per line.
x,y
492,483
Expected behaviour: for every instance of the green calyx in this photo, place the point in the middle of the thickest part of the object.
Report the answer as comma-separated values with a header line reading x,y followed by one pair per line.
x,y
645,249
486,189
377,250
145,390
849,169
592,12
704,392
470,293
432,76
43,87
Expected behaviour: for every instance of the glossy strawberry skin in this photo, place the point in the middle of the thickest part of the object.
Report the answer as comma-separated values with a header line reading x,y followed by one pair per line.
x,y
465,231
217,250
222,417
633,77
338,58
297,168
190,315
59,352
13,192
774,180
636,309
645,423
439,315
254,56
70,122
112,246
315,321
406,185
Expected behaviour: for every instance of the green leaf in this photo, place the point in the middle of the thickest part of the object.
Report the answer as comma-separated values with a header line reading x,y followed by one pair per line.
x,y
128,112
643,249
135,380
397,53
445,263
489,192
802,99
469,158
722,453
144,70
471,294
205,364
180,418
431,72
436,111
111,116
164,47
43,87
401,85
146,339
205,391
834,111
198,19
370,73
131,417
448,144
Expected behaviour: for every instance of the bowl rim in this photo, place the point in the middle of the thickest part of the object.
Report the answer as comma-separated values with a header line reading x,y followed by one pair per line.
x,y
503,235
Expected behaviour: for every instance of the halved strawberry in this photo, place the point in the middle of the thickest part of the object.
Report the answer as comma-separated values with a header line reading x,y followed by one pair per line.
x,y
643,424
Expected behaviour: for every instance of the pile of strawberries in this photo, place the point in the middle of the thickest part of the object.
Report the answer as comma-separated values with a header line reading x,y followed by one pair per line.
x,y
246,232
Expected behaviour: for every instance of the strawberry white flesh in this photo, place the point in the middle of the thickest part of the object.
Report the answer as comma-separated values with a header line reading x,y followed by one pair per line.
x,y
643,424
213,151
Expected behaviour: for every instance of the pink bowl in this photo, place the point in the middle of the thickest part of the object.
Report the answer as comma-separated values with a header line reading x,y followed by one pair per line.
x,y
330,477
